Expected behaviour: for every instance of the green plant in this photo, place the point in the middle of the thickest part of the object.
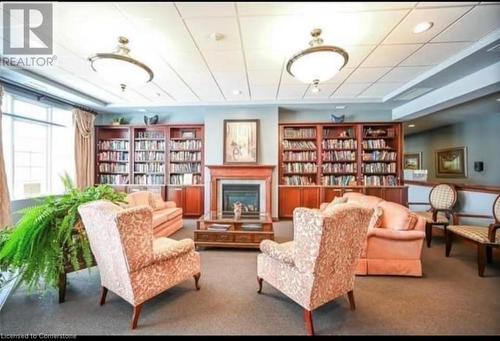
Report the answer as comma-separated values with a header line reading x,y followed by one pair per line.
x,y
119,120
49,235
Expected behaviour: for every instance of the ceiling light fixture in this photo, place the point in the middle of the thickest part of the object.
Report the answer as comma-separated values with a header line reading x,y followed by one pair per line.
x,y
318,63
411,125
422,27
315,89
340,106
216,36
236,92
119,67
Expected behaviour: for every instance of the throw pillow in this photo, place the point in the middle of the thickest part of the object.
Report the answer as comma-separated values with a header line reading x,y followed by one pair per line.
x,y
376,219
156,201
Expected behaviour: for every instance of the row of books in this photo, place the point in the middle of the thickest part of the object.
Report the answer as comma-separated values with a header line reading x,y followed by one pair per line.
x,y
185,168
339,144
113,167
113,156
148,179
149,167
297,180
149,156
113,145
370,144
299,156
306,145
381,155
339,155
113,179
376,180
150,145
345,180
339,167
185,179
349,132
300,167
185,156
294,133
379,167
150,135
189,144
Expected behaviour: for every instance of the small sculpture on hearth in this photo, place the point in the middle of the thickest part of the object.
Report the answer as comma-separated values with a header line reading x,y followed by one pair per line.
x,y
237,210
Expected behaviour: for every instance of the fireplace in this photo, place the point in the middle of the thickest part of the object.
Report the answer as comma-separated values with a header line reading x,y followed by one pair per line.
x,y
247,194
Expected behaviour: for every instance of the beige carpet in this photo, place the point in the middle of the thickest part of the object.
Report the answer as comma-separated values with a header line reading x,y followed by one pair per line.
x,y
449,299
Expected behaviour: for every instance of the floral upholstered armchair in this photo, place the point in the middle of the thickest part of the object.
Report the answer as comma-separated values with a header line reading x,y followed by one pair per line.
x,y
132,263
319,264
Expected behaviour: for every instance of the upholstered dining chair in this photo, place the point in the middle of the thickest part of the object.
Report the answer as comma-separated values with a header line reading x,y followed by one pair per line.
x,y
133,264
485,238
442,199
319,264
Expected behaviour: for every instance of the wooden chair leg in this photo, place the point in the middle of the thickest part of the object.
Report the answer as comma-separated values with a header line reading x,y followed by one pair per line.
x,y
259,280
308,322
350,295
428,233
135,316
196,279
449,239
104,292
62,287
489,254
481,259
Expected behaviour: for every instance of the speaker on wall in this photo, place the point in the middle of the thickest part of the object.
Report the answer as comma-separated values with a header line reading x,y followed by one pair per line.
x,y
478,166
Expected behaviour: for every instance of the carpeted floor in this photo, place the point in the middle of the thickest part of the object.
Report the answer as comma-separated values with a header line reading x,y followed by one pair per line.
x,y
449,299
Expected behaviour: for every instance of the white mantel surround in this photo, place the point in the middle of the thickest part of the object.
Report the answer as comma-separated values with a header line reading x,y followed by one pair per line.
x,y
262,191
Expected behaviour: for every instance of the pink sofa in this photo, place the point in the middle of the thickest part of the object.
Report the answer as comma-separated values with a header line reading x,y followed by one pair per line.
x,y
167,217
395,246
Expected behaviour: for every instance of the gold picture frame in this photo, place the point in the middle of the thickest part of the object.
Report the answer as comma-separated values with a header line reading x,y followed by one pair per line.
x,y
451,162
241,145
413,161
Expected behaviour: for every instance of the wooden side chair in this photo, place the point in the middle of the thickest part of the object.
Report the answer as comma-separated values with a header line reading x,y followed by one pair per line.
x,y
442,199
485,238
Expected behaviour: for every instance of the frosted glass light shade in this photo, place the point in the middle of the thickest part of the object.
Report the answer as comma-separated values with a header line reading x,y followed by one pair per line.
x,y
317,66
121,71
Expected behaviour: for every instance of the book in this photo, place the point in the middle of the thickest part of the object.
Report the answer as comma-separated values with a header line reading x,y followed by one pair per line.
x,y
219,227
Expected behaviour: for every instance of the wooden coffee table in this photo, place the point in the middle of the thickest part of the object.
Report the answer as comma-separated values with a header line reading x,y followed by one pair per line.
x,y
216,229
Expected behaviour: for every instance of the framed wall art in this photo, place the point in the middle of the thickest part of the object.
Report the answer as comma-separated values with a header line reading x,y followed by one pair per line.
x,y
241,141
451,162
413,161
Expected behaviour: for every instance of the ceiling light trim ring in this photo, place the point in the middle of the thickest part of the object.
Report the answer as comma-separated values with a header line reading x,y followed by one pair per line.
x,y
123,58
322,48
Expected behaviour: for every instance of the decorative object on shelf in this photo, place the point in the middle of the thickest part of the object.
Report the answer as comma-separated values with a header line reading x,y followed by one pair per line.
x,y
375,132
413,161
119,67
451,162
237,210
337,119
188,134
318,63
116,121
241,141
151,120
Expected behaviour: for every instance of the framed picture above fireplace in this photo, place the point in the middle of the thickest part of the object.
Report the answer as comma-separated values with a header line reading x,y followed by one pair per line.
x,y
241,141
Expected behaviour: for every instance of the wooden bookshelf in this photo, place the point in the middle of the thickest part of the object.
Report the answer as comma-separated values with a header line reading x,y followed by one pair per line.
x,y
319,161
113,157
185,155
149,156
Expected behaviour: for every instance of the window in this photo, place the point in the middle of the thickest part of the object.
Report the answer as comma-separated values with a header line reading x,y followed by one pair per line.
x,y
38,147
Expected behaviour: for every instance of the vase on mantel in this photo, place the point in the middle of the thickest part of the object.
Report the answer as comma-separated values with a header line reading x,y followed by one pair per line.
x,y
237,210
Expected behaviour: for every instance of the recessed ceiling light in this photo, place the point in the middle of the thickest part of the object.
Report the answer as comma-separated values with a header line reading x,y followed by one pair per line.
x,y
423,26
411,126
216,36
142,110
236,92
315,90
340,106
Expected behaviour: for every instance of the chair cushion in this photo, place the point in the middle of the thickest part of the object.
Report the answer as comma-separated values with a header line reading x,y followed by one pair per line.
x,y
440,218
397,217
166,214
476,233
138,199
165,248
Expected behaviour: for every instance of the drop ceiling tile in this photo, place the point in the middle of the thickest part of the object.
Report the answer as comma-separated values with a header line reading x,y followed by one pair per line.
x,y
264,77
473,26
446,4
171,83
186,61
357,54
263,92
264,59
404,74
288,79
202,28
232,97
151,90
441,17
225,61
367,75
229,81
326,89
379,90
202,84
434,53
341,76
389,55
206,9
350,89
292,92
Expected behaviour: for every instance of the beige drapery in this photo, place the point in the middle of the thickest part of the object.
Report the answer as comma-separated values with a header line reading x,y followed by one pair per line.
x,y
84,147
5,218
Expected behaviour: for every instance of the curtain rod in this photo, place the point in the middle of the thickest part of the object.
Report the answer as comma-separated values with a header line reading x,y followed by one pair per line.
x,y
40,96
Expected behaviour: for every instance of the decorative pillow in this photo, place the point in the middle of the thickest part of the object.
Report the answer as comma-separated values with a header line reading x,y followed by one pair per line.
x,y
156,201
330,208
397,217
376,220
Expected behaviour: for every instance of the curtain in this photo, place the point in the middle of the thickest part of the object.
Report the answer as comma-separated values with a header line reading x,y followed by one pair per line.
x,y
84,147
5,218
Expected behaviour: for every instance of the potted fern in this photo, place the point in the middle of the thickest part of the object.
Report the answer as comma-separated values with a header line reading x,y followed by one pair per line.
x,y
49,237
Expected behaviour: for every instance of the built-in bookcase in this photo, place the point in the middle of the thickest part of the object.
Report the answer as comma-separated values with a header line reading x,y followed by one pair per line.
x,y
339,156
113,157
149,156
186,155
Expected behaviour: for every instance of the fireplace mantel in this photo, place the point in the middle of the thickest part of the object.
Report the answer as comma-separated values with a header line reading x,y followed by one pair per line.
x,y
243,172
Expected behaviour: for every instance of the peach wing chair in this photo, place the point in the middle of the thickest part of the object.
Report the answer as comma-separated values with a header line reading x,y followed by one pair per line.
x,y
442,198
319,264
132,263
